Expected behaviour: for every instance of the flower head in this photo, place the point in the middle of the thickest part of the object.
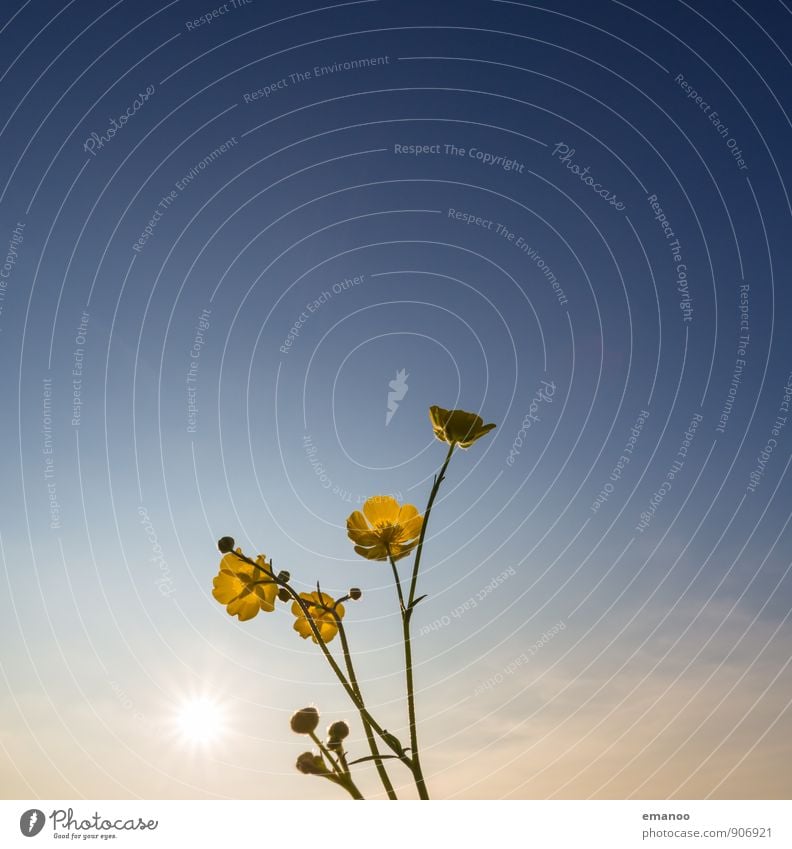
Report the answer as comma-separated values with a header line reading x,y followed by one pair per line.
x,y
384,528
320,607
243,588
457,426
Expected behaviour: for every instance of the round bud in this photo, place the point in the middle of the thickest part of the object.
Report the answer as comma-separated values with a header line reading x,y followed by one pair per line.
x,y
338,731
225,544
283,594
310,764
305,721
355,593
284,575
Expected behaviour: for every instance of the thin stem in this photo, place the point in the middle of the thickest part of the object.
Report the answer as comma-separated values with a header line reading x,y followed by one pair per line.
x,y
396,580
383,773
420,781
350,787
326,752
419,550
391,741
342,776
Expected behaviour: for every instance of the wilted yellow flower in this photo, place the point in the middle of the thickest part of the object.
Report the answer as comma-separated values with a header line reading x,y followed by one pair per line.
x,y
458,426
384,528
319,607
244,589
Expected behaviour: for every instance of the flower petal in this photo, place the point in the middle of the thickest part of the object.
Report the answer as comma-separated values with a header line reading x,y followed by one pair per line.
x,y
226,587
375,552
302,627
364,537
482,431
356,521
246,608
381,508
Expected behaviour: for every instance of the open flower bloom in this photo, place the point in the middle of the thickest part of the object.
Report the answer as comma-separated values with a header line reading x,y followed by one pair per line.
x,y
317,605
457,426
244,589
384,528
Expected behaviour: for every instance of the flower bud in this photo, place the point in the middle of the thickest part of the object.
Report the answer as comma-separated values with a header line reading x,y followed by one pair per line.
x,y
283,594
284,575
305,720
310,764
225,544
338,731
355,594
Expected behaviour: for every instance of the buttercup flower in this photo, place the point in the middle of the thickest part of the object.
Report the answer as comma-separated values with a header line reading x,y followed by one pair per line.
x,y
384,528
322,617
458,426
244,589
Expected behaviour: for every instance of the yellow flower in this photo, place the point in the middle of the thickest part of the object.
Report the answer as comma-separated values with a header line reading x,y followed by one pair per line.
x,y
384,528
457,426
317,605
244,589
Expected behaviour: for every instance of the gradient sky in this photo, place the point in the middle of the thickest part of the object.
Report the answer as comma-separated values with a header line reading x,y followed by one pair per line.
x,y
601,656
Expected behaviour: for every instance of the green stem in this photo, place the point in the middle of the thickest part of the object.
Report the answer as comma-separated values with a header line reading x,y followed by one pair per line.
x,y
391,741
350,787
427,512
383,773
326,752
420,781
342,775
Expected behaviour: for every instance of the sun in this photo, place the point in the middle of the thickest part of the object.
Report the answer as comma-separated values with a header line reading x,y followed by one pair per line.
x,y
200,720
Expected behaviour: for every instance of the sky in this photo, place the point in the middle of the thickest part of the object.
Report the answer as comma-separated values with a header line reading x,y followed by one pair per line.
x,y
230,229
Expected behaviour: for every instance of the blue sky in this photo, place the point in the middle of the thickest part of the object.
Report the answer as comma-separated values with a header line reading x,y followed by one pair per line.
x,y
578,213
